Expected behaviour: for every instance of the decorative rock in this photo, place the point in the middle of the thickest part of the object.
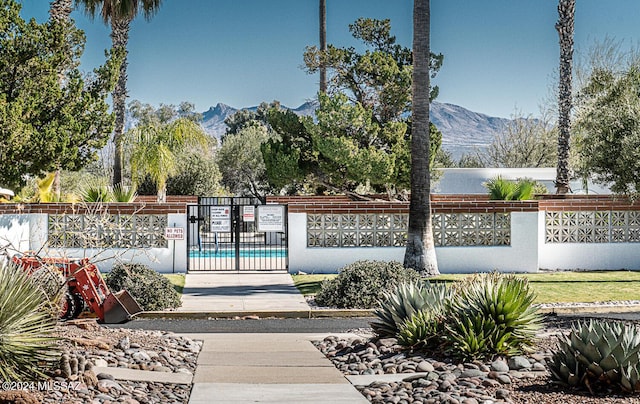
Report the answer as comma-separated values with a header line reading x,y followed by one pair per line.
x,y
424,366
538,367
504,379
101,363
124,344
500,366
105,376
502,394
467,373
519,363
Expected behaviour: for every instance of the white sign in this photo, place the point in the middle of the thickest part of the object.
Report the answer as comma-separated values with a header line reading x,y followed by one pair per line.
x,y
271,218
174,233
220,218
248,213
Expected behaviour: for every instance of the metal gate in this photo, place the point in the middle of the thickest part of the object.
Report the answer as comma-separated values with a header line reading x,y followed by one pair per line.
x,y
236,234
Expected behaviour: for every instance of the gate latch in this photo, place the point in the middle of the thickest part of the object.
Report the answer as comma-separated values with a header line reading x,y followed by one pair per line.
x,y
193,219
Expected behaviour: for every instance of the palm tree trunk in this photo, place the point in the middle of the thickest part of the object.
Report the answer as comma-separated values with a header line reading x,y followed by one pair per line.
x,y
323,44
420,253
60,10
60,13
119,38
566,13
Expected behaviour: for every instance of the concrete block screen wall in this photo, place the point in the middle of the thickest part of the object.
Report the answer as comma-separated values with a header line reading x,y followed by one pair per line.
x,y
106,233
471,233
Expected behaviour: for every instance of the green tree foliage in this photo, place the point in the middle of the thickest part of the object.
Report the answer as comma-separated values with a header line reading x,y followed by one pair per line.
x,y
608,128
155,150
241,163
48,123
380,78
361,134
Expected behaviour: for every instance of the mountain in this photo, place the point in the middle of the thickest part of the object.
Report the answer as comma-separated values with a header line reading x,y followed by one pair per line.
x,y
213,118
463,131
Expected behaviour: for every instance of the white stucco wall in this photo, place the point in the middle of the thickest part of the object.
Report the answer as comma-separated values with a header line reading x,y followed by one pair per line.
x,y
521,256
160,259
15,232
586,256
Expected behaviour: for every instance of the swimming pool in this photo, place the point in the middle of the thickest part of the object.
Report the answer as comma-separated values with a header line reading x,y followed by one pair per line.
x,y
244,253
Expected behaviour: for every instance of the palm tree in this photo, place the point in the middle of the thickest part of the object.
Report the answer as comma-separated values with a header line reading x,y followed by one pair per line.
x,y
156,147
420,253
566,16
119,13
60,10
323,44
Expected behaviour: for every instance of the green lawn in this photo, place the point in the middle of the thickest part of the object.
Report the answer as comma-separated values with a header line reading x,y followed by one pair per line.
x,y
551,287
177,280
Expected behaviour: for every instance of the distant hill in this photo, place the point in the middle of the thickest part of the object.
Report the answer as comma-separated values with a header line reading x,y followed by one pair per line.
x,y
462,130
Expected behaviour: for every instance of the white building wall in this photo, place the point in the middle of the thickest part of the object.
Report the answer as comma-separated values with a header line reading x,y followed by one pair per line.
x,y
520,256
586,256
29,232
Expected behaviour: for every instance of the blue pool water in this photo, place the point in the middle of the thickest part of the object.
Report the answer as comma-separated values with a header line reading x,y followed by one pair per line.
x,y
258,253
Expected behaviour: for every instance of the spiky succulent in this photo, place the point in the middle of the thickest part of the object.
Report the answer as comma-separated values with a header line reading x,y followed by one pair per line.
x,y
492,314
27,346
599,354
420,329
406,299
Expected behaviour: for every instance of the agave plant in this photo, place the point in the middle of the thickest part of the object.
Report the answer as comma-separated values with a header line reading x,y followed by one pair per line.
x,y
420,329
27,345
97,193
123,193
599,354
496,310
406,299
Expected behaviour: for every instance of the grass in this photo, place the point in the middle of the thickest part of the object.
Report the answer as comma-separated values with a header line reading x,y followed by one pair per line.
x,y
550,287
177,280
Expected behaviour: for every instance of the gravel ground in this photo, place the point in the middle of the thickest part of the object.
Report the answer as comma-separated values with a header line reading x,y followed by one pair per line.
x,y
85,345
463,383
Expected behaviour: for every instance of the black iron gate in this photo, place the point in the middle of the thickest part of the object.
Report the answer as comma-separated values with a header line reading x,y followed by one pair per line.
x,y
236,234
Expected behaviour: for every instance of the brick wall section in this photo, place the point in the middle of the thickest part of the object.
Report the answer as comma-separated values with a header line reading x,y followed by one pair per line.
x,y
457,204
575,203
170,199
91,208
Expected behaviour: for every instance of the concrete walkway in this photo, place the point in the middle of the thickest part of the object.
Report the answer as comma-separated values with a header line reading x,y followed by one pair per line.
x,y
248,292
267,368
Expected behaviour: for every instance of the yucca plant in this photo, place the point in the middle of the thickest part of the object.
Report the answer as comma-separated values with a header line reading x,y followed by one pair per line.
x,y
599,354
406,299
27,346
495,309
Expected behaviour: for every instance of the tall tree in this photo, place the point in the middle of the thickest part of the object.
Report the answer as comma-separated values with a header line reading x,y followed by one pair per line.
x,y
60,10
48,122
566,14
323,44
156,147
420,253
120,14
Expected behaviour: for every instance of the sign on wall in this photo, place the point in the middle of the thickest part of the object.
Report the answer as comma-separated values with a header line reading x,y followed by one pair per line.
x,y
271,218
249,213
174,233
220,219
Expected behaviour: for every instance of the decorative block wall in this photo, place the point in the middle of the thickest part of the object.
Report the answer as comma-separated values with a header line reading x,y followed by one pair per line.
x,y
107,231
390,230
592,226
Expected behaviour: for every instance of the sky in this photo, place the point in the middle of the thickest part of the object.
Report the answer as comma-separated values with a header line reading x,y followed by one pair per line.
x,y
500,56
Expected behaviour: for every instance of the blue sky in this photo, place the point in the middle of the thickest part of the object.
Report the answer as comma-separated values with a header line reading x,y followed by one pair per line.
x,y
500,55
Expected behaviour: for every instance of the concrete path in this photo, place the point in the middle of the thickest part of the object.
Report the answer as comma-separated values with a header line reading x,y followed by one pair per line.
x,y
267,368
246,292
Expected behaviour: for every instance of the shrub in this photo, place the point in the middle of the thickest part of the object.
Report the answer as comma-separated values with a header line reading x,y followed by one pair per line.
x,y
404,301
150,289
599,355
27,345
505,190
363,284
492,314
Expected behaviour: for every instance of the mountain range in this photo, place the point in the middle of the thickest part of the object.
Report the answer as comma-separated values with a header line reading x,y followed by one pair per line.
x,y
463,131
